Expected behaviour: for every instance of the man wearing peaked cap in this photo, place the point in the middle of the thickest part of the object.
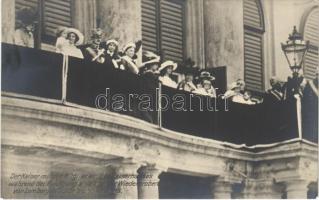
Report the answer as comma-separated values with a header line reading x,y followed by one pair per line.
x,y
94,52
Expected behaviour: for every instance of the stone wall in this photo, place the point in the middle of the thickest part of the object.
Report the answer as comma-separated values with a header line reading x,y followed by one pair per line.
x,y
88,154
282,15
7,20
223,27
120,19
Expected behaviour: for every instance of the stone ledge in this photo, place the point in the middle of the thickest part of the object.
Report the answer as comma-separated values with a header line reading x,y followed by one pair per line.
x,y
131,127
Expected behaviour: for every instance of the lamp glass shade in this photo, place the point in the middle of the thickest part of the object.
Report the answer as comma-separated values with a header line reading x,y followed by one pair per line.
x,y
295,50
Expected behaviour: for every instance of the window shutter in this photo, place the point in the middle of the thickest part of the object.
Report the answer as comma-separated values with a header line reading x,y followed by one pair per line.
x,y
26,3
252,14
171,20
56,13
162,28
311,32
253,44
253,61
149,26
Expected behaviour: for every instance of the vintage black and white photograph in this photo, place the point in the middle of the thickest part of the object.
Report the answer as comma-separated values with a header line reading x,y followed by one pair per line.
x,y
159,99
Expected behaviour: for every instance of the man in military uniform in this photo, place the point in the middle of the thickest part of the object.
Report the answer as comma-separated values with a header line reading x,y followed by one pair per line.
x,y
275,93
93,51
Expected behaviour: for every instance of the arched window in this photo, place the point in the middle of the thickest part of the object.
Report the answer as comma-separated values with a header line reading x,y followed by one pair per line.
x,y
253,45
311,33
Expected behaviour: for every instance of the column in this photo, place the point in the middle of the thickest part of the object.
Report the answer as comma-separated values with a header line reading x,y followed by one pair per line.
x,y
121,20
262,189
195,38
297,189
224,33
221,189
125,180
8,20
148,182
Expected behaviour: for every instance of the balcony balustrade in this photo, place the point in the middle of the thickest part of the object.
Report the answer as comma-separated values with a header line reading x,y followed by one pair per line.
x,y
47,76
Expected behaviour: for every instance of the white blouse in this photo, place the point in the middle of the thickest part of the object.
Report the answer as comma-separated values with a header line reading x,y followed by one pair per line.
x,y
167,81
72,50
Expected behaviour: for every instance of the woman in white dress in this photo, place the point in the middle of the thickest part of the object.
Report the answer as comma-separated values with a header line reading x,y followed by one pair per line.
x,y
75,38
166,71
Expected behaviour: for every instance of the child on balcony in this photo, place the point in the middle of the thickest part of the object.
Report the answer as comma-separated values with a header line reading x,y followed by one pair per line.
x,y
62,33
206,88
111,56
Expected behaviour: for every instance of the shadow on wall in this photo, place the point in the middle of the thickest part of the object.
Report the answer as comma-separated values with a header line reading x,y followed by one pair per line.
x,y
177,186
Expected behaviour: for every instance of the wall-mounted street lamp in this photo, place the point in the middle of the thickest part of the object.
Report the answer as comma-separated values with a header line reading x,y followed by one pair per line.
x,y
295,50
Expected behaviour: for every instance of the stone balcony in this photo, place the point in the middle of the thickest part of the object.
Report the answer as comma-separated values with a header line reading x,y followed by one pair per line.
x,y
99,151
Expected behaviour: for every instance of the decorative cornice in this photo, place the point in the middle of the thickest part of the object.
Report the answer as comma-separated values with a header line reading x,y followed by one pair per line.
x,y
140,130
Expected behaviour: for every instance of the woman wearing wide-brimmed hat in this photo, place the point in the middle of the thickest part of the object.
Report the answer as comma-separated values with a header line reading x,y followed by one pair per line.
x,y
151,63
235,89
206,87
166,71
23,36
149,82
128,59
75,38
149,70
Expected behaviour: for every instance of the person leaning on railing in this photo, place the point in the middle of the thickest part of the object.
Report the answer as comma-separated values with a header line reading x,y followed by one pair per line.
x,y
23,36
75,38
112,59
93,52
166,71
275,93
61,41
206,87
129,55
238,94
187,84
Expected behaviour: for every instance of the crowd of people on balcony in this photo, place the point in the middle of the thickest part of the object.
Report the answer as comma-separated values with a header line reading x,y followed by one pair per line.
x,y
70,42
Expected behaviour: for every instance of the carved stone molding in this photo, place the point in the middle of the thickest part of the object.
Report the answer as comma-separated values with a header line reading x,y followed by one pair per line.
x,y
148,182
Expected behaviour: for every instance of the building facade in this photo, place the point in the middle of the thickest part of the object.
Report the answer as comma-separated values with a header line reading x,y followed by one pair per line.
x,y
244,36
